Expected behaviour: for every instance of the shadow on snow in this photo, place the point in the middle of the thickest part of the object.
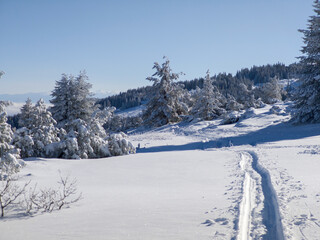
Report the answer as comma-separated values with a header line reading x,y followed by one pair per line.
x,y
274,133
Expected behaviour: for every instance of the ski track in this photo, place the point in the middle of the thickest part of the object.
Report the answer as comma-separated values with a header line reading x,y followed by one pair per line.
x,y
270,213
247,202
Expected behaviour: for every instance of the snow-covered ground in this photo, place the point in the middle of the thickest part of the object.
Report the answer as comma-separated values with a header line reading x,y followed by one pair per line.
x,y
131,112
199,180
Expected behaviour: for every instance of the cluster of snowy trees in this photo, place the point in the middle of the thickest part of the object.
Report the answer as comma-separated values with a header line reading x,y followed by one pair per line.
x,y
173,103
9,155
119,123
226,83
308,95
71,128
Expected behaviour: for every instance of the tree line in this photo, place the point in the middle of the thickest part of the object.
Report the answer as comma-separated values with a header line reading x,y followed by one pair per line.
x,y
226,83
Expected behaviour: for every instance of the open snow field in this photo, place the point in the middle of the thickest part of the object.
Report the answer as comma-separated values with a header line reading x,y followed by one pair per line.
x,y
255,179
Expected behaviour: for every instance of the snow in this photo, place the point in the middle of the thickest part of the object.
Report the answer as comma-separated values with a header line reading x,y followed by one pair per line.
x,y
131,112
141,196
248,199
197,180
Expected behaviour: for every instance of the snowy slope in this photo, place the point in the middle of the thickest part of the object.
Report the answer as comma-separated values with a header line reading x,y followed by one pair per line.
x,y
199,180
131,112
142,196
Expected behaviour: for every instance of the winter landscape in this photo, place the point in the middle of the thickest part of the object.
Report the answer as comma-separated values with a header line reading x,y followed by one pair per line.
x,y
221,156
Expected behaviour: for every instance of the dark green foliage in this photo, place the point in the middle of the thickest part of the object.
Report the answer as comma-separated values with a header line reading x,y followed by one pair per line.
x,y
308,94
264,73
14,120
128,99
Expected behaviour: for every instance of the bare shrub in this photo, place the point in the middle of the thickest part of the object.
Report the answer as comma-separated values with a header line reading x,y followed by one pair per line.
x,y
50,199
10,191
31,199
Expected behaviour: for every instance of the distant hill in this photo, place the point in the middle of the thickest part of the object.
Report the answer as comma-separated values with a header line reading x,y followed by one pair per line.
x,y
20,98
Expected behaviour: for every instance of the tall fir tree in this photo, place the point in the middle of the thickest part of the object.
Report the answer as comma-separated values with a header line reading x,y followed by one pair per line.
x,y
210,102
72,99
165,106
61,99
25,116
308,95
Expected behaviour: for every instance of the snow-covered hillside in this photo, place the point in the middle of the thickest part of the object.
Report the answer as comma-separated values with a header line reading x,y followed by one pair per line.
x,y
199,180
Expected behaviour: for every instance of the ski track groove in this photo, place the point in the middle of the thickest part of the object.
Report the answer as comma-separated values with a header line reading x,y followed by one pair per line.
x,y
270,213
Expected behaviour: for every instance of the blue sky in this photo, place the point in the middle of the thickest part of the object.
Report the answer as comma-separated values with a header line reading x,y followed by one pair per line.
x,y
117,41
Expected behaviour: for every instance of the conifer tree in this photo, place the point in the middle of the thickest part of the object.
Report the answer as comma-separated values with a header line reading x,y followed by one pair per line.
x,y
25,116
308,96
34,138
165,106
210,102
61,97
269,92
9,156
72,99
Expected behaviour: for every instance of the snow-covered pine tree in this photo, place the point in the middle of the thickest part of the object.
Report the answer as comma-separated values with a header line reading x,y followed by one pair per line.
x,y
232,104
9,155
245,96
61,97
84,106
308,95
22,139
72,99
115,124
77,142
89,139
165,106
76,113
119,145
44,131
269,92
25,116
210,102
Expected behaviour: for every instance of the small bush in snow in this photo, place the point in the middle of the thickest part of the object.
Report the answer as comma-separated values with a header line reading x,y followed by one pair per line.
x,y
231,118
118,145
10,191
18,197
277,110
50,199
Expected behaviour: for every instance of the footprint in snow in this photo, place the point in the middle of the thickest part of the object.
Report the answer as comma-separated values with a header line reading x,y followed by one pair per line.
x,y
208,222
